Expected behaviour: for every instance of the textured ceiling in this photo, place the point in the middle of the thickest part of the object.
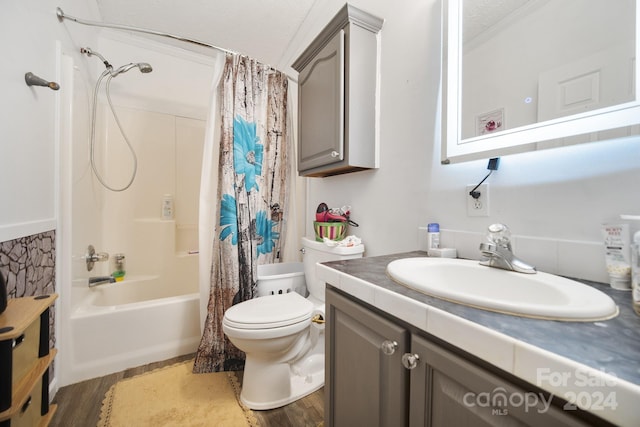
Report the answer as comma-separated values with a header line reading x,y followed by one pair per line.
x,y
259,28
482,15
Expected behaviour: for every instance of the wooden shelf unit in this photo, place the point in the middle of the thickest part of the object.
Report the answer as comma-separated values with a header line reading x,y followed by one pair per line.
x,y
25,358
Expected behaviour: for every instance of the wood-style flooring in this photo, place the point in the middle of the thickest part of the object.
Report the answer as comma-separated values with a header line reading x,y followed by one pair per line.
x,y
79,404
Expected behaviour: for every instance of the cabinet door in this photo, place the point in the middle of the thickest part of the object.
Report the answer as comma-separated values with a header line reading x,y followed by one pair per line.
x,y
447,390
364,386
321,107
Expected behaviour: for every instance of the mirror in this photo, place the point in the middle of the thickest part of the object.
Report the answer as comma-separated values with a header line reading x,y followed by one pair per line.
x,y
524,75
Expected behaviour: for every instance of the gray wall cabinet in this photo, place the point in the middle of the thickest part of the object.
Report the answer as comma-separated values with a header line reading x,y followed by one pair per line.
x,y
337,96
381,373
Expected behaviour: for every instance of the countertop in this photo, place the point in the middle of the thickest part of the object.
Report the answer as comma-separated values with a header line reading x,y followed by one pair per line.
x,y
595,365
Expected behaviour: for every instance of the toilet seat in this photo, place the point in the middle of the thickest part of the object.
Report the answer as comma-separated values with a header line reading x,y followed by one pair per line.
x,y
271,311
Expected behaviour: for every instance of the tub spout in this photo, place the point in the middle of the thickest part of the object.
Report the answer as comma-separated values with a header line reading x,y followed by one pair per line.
x,y
100,280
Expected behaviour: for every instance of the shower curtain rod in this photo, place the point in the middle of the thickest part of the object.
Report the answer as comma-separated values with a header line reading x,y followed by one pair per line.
x,y
62,16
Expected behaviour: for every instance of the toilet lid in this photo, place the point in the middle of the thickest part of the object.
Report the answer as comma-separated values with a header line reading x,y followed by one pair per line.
x,y
270,311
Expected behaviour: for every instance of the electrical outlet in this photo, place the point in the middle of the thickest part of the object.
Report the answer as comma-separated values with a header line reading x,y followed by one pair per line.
x,y
479,206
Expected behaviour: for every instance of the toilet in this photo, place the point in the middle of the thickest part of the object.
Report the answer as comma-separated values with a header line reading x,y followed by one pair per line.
x,y
284,347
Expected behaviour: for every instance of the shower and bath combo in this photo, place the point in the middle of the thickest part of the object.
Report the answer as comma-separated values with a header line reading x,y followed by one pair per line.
x,y
110,73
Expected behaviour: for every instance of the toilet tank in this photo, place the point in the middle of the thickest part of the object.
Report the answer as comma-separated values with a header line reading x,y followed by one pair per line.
x,y
314,252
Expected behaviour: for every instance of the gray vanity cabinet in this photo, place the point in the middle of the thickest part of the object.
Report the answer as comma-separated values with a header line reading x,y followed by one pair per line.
x,y
448,390
364,386
368,382
337,95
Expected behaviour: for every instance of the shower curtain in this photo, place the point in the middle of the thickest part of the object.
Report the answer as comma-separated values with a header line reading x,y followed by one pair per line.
x,y
251,197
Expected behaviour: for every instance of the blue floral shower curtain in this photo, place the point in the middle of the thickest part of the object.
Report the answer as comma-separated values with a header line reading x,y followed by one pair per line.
x,y
252,196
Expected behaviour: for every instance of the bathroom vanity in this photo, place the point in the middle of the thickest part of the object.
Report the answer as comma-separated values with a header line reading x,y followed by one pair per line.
x,y
399,357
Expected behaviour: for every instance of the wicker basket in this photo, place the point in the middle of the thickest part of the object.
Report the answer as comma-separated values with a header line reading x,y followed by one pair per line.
x,y
330,230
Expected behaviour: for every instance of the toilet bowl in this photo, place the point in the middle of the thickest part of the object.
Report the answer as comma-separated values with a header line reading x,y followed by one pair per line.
x,y
283,343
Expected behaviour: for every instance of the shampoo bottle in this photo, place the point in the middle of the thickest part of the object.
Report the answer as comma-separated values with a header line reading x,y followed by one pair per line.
x,y
167,207
635,265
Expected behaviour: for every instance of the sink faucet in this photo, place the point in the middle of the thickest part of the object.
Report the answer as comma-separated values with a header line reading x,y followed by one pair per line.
x,y
498,253
100,280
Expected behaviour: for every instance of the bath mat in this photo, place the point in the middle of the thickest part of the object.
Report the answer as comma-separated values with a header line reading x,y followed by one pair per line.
x,y
173,396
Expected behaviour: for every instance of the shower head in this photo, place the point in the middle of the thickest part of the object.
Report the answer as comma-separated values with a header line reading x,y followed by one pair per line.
x,y
143,66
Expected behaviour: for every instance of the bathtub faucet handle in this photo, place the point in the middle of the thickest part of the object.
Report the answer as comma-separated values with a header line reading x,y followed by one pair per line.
x,y
92,257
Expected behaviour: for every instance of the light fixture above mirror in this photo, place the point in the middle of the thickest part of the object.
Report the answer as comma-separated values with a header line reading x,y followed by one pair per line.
x,y
542,75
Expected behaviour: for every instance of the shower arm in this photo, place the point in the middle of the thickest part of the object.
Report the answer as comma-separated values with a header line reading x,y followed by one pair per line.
x,y
90,52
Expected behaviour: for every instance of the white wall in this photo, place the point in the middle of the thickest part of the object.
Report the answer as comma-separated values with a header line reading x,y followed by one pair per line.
x,y
30,30
561,194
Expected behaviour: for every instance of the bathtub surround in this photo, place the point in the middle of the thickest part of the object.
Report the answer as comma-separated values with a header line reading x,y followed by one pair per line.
x,y
163,114
252,196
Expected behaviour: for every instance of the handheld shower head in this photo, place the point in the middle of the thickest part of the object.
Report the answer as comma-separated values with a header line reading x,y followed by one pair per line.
x,y
142,66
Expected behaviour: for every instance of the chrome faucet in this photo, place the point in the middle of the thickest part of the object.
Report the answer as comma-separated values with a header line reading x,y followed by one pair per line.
x,y
100,280
498,253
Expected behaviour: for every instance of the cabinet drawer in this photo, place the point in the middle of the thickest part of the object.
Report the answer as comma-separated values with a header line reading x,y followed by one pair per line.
x,y
34,409
21,349
25,352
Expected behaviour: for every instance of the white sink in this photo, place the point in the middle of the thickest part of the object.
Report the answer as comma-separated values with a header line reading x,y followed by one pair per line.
x,y
539,295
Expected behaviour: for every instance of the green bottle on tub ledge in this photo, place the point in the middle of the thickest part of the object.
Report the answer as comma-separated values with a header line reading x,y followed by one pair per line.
x,y
119,267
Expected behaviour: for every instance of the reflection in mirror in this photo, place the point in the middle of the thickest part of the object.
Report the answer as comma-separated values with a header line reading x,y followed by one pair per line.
x,y
522,75
527,61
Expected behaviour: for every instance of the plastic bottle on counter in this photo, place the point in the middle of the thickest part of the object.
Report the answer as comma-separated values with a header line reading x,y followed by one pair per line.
x,y
433,236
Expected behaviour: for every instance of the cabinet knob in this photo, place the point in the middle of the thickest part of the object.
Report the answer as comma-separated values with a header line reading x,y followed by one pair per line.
x,y
335,154
409,360
389,347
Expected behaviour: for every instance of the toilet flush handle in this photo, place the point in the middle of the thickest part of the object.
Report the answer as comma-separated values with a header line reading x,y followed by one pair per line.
x,y
318,319
302,251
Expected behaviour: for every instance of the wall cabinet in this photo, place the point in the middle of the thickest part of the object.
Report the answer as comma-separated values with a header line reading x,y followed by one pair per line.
x,y
337,96
382,373
25,358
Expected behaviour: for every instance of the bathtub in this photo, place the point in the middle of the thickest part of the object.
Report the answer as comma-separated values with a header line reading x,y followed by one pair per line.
x,y
125,324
